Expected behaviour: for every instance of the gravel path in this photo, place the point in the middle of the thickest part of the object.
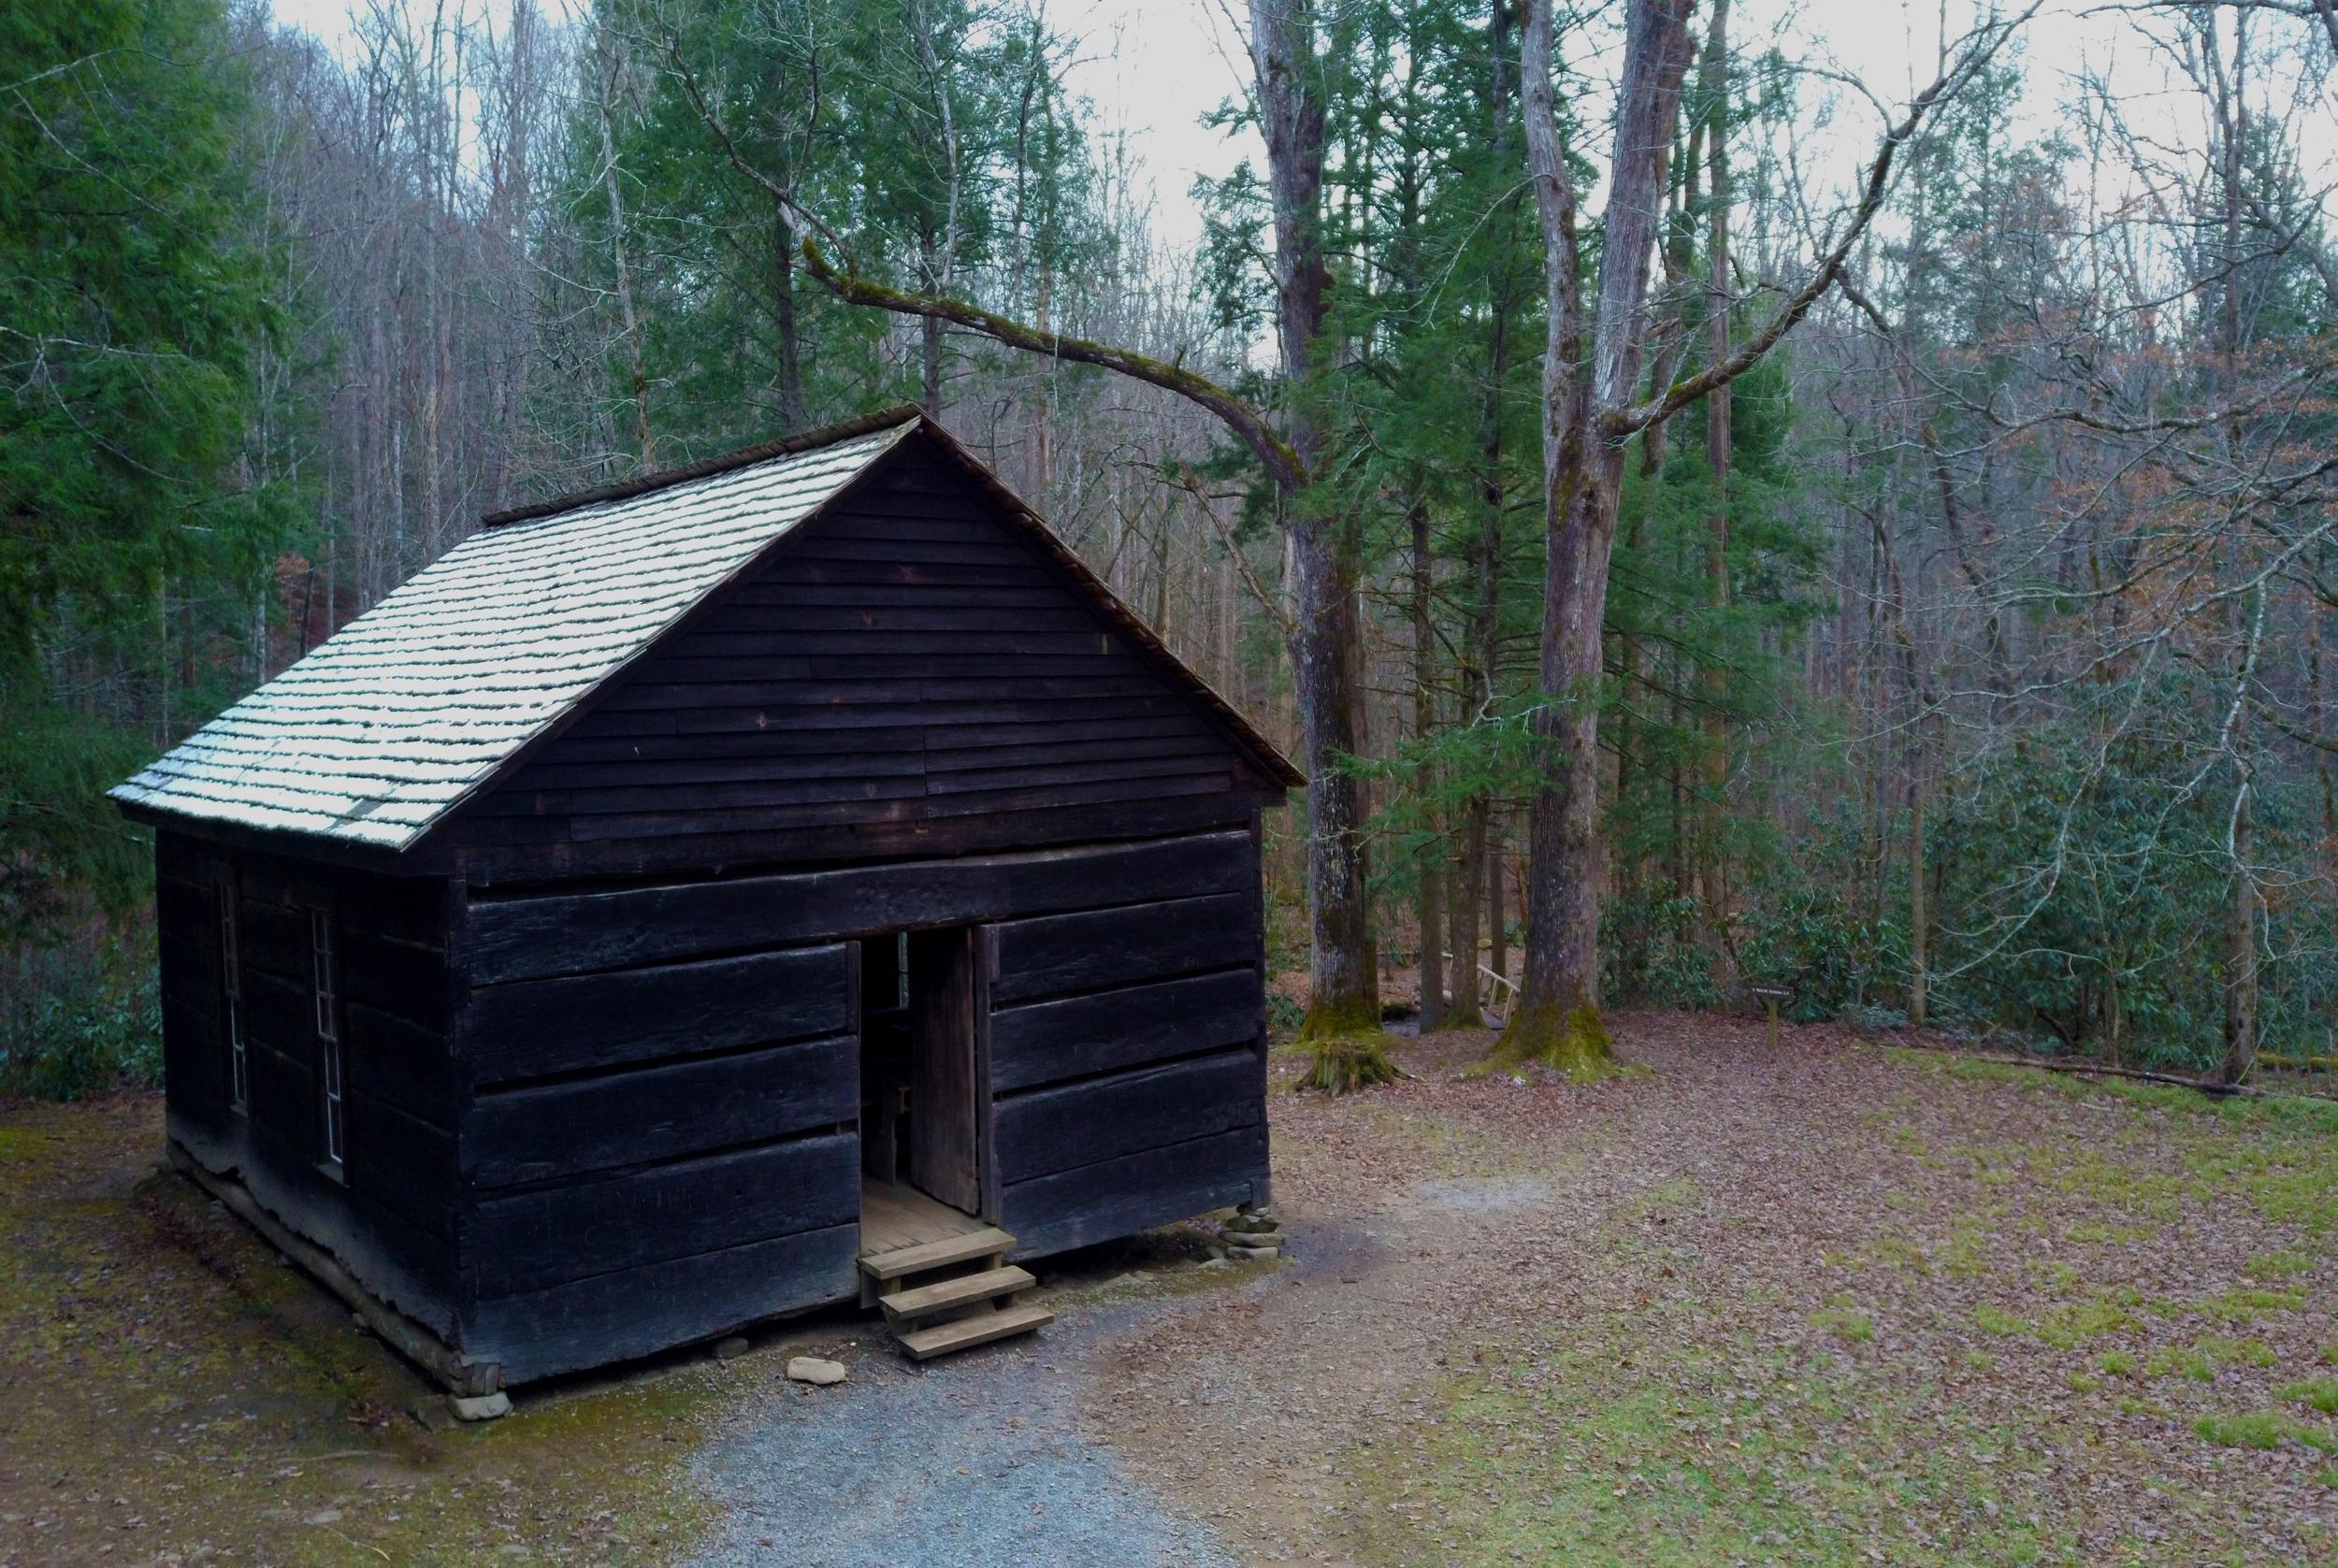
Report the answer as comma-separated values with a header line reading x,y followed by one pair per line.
x,y
981,1459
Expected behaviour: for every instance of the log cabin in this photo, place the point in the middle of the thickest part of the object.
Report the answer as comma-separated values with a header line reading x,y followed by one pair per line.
x,y
785,880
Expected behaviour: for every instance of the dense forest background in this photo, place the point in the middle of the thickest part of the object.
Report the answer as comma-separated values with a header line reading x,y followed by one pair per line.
x,y
1962,656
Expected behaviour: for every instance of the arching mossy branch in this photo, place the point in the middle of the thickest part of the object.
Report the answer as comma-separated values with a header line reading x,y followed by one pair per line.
x,y
1246,422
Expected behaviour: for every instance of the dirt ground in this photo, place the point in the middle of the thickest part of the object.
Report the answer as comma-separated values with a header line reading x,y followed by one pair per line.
x,y
1831,1303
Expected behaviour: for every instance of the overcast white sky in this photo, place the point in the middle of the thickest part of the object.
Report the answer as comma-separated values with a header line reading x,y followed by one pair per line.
x,y
1154,67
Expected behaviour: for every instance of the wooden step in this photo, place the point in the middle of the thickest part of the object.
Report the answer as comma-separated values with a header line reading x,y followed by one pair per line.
x,y
916,1260
981,1327
927,1300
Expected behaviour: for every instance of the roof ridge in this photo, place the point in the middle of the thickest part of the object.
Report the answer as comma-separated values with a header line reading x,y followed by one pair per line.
x,y
745,457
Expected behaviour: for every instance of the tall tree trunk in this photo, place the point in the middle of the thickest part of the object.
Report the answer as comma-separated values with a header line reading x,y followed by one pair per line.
x,y
1327,657
1919,917
2240,985
1428,905
1497,921
1713,86
1481,650
1557,1018
793,412
645,449
929,331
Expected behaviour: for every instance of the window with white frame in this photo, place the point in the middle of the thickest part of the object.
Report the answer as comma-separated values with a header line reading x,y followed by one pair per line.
x,y
231,1003
325,960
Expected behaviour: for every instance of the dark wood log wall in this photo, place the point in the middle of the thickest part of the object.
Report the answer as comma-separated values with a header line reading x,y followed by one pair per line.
x,y
391,1214
654,1152
1127,1050
910,660
660,1143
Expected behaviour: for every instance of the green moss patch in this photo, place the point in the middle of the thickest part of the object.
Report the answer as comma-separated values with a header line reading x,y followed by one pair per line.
x,y
196,1394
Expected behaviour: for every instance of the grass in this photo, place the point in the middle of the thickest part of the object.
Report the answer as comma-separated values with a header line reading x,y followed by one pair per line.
x,y
1707,1454
2320,1393
2029,1334
2204,1357
1842,1318
2262,1430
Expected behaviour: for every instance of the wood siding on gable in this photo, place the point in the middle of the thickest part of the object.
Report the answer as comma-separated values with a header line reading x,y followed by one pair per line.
x,y
911,657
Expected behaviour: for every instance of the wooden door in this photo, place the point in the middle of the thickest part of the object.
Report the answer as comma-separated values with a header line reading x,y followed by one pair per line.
x,y
944,1150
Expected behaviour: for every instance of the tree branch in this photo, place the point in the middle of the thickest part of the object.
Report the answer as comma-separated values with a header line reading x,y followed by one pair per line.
x,y
1616,424
781,195
1246,422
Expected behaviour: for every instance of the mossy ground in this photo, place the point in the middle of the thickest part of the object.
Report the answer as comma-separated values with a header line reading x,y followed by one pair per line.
x,y
175,1394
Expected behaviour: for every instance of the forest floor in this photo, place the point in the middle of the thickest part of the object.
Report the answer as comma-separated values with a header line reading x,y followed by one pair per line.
x,y
1830,1302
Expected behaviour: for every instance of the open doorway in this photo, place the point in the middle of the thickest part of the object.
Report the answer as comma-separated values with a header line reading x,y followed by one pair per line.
x,y
921,1142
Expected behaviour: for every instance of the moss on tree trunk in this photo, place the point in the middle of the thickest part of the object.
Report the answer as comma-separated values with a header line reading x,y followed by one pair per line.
x,y
1347,1042
1569,1039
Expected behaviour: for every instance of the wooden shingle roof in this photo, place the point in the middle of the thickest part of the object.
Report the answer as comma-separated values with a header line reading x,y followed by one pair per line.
x,y
383,731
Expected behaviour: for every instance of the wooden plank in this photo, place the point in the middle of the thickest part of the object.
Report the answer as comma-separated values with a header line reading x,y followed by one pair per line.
x,y
780,590
397,1164
1166,724
1040,773
557,772
1056,797
659,1112
942,1143
1066,614
1051,1129
395,977
278,1013
945,1295
531,1239
577,1022
881,517
842,547
980,1329
531,935
400,1063
273,938
880,571
490,867
626,724
650,793
194,1066
635,1312
899,1261
965,759
779,695
189,859
795,745
1072,1037
774,653
1121,945
1121,1197
188,947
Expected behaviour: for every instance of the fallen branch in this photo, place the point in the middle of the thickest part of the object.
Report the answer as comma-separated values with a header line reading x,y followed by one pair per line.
x,y
2214,1088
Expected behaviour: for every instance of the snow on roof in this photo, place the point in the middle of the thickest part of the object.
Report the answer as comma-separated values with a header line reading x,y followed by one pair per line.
x,y
379,732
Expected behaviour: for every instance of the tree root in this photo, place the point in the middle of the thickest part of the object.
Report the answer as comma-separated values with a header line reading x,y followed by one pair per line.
x,y
1345,1063
1572,1040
